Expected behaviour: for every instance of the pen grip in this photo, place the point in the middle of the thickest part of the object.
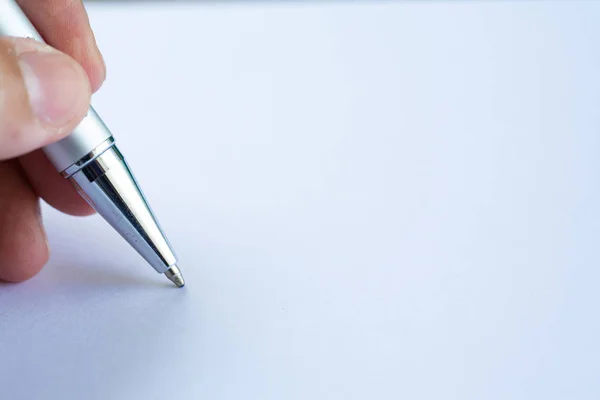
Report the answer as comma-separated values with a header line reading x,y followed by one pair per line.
x,y
90,133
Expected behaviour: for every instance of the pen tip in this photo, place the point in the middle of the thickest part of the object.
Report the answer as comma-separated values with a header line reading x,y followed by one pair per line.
x,y
175,276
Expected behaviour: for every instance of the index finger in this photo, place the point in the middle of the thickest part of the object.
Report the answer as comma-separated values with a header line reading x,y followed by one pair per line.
x,y
64,25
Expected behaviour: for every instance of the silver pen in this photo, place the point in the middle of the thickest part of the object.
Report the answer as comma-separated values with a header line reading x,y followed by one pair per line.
x,y
90,160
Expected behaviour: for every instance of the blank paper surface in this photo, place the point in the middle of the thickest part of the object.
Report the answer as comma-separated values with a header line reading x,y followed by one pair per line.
x,y
369,200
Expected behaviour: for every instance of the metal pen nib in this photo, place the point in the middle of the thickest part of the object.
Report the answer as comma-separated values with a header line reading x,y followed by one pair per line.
x,y
174,275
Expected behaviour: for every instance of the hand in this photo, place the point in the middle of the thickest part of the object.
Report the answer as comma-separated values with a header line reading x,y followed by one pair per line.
x,y
44,94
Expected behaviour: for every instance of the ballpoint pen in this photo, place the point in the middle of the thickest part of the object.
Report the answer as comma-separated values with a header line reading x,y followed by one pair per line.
x,y
91,161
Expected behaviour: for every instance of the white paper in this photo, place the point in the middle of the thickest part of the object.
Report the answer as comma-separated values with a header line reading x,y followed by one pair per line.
x,y
393,200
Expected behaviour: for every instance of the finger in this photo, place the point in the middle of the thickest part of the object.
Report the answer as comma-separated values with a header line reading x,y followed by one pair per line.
x,y
23,246
44,94
53,188
64,24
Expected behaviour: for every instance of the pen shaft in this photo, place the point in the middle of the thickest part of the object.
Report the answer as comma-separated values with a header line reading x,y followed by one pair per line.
x,y
91,161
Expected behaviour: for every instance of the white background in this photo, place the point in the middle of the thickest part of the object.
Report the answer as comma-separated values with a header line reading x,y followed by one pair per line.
x,y
392,200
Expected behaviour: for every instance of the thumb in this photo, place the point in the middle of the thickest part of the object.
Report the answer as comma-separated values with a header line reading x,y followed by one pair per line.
x,y
44,94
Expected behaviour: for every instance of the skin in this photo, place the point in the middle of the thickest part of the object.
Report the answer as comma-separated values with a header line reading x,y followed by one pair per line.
x,y
25,173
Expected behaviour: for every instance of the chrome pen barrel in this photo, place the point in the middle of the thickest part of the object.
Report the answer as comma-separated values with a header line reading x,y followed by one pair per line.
x,y
104,179
90,160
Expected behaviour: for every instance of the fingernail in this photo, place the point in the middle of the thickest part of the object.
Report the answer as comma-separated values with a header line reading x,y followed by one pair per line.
x,y
56,85
38,214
